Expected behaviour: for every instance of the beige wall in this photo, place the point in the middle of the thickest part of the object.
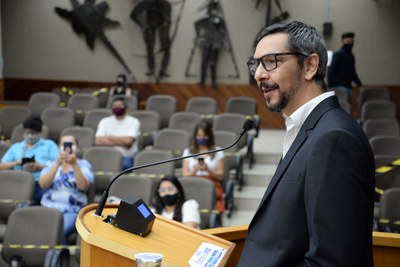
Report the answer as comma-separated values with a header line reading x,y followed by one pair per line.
x,y
38,44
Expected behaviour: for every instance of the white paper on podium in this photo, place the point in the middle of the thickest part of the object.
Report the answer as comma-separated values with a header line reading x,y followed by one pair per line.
x,y
207,255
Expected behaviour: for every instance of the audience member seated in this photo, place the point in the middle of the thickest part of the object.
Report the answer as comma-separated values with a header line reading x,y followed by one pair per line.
x,y
31,154
120,131
65,181
120,87
170,202
210,166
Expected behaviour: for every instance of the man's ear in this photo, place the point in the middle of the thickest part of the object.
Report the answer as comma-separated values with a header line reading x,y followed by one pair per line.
x,y
311,66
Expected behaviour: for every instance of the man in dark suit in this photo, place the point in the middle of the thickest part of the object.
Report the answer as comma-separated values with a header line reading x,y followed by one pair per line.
x,y
318,207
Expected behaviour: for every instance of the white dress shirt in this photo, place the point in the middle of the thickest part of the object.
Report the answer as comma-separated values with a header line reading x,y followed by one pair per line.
x,y
296,120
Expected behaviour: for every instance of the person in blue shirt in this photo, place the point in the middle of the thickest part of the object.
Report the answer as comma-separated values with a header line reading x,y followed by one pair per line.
x,y
66,181
30,154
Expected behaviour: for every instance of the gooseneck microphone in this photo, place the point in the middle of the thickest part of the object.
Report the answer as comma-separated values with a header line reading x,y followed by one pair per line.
x,y
247,125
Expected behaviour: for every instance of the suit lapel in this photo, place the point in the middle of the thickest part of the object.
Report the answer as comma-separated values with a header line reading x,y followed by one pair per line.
x,y
327,104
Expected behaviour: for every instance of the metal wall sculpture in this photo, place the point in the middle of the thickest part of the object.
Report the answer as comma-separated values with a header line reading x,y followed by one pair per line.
x,y
211,36
89,19
283,15
154,16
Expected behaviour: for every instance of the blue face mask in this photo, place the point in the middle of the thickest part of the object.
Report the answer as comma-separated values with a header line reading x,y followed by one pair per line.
x,y
202,141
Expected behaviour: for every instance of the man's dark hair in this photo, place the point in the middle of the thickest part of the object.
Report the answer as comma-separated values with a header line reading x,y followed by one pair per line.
x,y
122,99
33,123
304,39
123,76
348,35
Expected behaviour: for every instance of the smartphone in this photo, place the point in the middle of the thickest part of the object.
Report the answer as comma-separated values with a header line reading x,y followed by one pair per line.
x,y
27,160
67,147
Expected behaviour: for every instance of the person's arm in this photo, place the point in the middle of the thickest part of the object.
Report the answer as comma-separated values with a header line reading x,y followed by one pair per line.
x,y
32,166
10,158
82,182
186,170
125,141
9,165
191,213
338,196
218,173
332,71
356,79
48,173
111,92
191,224
128,91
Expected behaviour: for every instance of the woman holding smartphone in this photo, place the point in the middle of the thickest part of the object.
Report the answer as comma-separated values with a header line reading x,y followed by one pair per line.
x,y
209,166
65,181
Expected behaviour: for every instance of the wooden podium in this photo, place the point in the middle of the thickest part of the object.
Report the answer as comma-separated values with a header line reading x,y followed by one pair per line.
x,y
386,246
106,245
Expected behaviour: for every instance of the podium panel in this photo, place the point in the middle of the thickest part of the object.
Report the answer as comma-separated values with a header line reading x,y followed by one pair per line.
x,y
106,245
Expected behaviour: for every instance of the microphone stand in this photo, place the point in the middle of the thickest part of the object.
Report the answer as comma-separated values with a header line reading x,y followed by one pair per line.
x,y
99,210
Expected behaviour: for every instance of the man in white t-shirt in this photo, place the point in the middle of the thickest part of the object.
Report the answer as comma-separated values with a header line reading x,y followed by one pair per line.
x,y
120,131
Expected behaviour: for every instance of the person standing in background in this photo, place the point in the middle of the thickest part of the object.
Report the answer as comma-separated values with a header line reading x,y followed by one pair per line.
x,y
342,71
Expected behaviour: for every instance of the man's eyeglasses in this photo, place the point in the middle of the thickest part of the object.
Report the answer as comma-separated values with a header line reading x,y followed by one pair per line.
x,y
268,61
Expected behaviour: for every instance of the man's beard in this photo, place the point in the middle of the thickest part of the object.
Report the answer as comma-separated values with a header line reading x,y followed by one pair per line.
x,y
283,101
284,97
278,107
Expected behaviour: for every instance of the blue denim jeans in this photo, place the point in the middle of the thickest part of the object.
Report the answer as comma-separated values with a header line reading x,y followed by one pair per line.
x,y
127,162
69,225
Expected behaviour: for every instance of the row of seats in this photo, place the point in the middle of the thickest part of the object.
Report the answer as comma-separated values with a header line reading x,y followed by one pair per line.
x,y
26,225
169,143
101,93
164,105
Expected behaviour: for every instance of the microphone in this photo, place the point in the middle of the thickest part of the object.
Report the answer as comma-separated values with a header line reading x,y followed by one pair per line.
x,y
247,125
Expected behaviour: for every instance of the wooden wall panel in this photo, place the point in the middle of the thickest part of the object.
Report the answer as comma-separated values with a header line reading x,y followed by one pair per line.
x,y
21,89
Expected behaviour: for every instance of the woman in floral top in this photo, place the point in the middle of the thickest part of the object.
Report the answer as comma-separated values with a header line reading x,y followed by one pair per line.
x,y
65,182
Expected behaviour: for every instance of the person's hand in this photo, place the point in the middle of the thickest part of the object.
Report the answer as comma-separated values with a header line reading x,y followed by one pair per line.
x,y
18,161
203,166
67,157
31,166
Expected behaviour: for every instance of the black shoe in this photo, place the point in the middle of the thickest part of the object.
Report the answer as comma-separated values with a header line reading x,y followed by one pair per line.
x,y
150,73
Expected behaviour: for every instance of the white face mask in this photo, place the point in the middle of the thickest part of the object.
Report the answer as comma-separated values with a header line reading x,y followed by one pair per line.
x,y
31,138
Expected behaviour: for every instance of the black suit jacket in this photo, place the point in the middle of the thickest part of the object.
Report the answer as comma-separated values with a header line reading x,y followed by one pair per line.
x,y
318,207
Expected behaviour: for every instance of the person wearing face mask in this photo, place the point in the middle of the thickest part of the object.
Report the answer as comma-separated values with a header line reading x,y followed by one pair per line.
x,y
65,181
170,202
342,71
120,87
119,131
208,166
30,154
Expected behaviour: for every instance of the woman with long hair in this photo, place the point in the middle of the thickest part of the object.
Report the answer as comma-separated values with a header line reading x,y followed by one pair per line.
x,y
210,166
171,203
